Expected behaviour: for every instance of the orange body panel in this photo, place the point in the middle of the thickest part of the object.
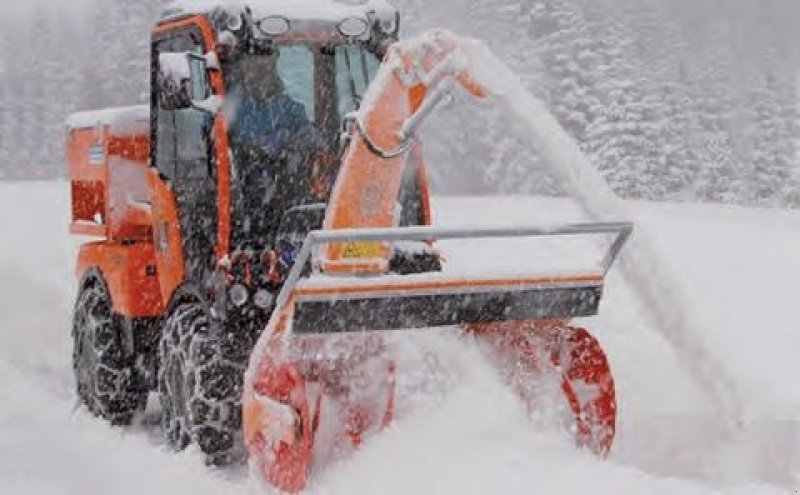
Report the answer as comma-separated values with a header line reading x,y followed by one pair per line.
x,y
110,199
368,185
134,147
425,193
167,237
88,229
108,183
88,181
130,273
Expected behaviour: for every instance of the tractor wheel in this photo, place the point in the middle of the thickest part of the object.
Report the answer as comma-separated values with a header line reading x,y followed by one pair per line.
x,y
557,369
104,371
199,385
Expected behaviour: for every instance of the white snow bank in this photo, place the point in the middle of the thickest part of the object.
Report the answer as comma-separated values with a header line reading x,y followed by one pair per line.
x,y
122,120
733,263
458,430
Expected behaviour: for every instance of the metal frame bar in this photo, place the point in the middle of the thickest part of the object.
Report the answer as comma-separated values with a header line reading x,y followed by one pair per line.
x,y
430,234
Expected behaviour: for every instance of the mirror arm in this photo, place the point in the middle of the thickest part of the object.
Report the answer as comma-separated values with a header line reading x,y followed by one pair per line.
x,y
210,105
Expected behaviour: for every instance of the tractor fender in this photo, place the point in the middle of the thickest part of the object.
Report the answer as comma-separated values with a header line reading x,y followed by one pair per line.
x,y
129,274
94,277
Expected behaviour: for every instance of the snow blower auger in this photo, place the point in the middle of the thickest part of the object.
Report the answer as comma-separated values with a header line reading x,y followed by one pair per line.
x,y
238,224
321,353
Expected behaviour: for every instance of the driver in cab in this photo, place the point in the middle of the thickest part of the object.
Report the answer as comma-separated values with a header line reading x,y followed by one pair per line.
x,y
264,117
271,135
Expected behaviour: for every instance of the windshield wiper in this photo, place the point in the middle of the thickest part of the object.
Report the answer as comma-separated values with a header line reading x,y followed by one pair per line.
x,y
353,90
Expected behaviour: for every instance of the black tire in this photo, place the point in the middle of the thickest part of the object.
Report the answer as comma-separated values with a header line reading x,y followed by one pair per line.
x,y
104,371
200,385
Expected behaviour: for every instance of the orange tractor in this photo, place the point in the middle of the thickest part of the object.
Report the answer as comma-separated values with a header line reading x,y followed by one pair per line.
x,y
264,222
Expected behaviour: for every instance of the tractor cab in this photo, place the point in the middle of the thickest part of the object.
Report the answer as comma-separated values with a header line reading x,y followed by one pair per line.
x,y
249,109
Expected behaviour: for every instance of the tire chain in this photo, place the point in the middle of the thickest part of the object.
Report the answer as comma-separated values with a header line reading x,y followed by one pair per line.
x,y
104,375
207,411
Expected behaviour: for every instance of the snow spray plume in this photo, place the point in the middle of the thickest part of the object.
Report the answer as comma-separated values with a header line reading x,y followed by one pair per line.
x,y
640,262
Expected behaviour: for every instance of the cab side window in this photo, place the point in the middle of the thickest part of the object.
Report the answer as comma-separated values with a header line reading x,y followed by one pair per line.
x,y
183,150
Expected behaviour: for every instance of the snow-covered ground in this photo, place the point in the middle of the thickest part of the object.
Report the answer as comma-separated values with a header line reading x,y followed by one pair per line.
x,y
465,434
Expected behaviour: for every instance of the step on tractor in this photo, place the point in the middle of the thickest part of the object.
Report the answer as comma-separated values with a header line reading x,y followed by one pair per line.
x,y
265,221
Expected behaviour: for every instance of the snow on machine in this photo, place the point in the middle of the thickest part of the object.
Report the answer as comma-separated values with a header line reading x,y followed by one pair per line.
x,y
267,219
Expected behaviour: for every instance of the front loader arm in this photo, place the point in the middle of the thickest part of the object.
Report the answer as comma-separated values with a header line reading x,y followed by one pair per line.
x,y
410,83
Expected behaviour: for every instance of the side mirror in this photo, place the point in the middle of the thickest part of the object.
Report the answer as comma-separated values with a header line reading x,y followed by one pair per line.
x,y
182,80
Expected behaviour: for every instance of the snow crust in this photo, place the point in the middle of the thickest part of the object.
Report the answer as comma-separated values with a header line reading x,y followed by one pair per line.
x,y
458,429
175,67
121,120
317,10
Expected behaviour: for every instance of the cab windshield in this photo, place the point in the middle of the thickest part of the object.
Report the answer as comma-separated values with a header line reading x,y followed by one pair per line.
x,y
284,108
274,94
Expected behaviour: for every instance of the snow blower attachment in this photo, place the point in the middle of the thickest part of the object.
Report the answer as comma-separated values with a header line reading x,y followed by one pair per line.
x,y
322,353
230,241
522,321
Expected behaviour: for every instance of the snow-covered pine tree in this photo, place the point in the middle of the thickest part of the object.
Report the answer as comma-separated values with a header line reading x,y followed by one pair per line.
x,y
134,21
106,67
622,134
679,128
661,50
563,44
50,70
790,137
15,115
772,147
791,191
723,175
509,162
6,117
28,107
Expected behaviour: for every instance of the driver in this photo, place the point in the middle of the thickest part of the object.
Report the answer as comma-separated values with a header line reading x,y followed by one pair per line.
x,y
269,131
266,118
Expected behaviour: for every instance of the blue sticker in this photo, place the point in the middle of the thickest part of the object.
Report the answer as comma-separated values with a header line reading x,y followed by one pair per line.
x,y
96,154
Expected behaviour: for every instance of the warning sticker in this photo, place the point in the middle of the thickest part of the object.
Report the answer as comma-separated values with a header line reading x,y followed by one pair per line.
x,y
363,250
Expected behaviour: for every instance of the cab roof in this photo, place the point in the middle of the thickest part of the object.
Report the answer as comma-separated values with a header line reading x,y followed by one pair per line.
x,y
308,10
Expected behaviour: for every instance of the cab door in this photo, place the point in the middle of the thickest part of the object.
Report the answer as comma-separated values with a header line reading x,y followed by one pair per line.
x,y
183,176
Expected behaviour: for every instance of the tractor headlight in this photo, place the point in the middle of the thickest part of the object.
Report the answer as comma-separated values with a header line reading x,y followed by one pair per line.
x,y
353,27
273,25
234,22
238,294
263,299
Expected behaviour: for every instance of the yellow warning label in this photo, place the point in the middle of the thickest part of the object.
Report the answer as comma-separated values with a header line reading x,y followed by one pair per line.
x,y
363,250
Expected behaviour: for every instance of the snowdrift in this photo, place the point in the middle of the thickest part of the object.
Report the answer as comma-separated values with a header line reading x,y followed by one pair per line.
x,y
458,430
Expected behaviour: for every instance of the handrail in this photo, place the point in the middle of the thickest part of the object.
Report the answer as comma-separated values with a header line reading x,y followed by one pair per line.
x,y
430,234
